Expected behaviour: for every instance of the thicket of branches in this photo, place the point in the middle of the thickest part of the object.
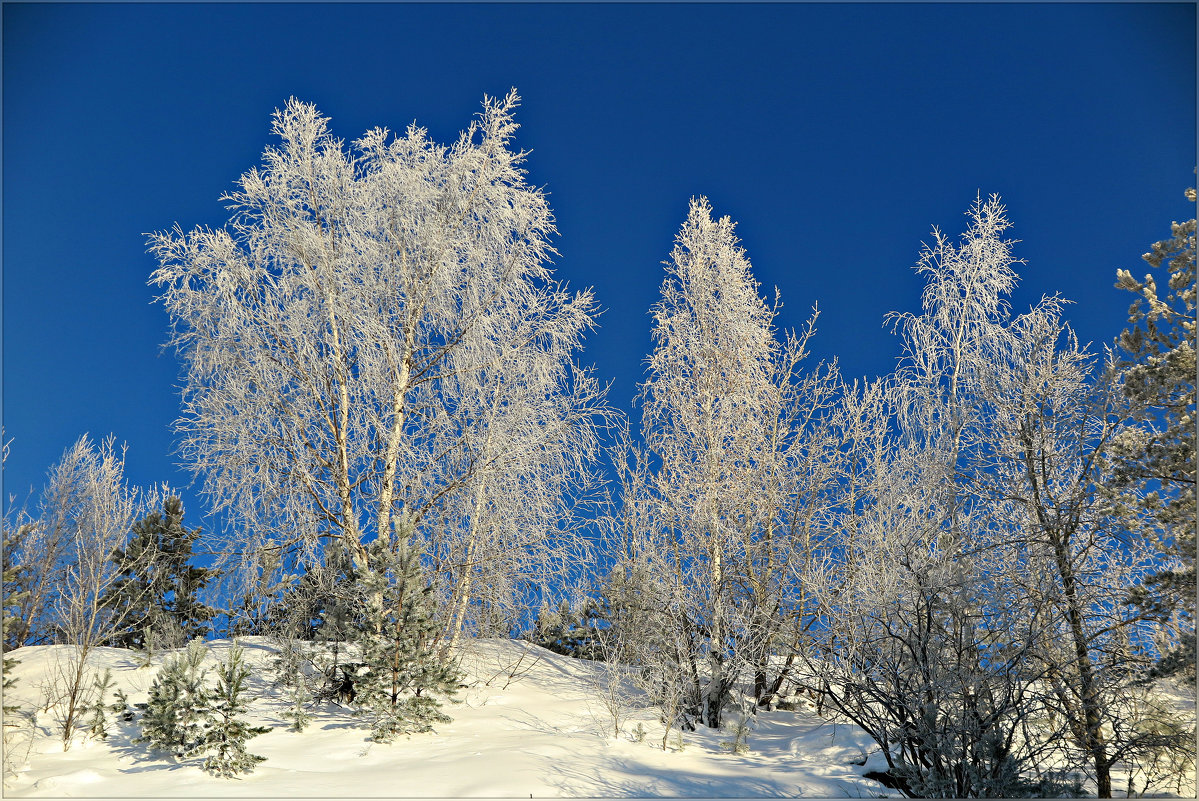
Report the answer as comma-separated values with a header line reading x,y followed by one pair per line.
x,y
962,557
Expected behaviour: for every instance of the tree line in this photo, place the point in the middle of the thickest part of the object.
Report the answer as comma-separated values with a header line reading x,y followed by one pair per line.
x,y
985,558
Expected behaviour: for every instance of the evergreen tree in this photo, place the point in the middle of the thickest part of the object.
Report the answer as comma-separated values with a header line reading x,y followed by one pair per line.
x,y
402,670
180,705
568,630
298,712
227,735
1156,459
121,707
98,725
14,596
155,595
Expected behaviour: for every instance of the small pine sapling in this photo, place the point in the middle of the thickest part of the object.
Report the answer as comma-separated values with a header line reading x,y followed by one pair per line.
x,y
227,736
145,656
739,744
98,724
298,713
287,668
179,708
403,669
121,706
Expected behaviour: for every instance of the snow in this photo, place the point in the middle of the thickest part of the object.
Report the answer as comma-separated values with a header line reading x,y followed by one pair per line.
x,y
541,733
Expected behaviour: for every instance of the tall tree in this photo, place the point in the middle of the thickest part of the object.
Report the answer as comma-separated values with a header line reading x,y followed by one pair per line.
x,y
1155,460
1054,418
377,330
983,573
723,410
154,596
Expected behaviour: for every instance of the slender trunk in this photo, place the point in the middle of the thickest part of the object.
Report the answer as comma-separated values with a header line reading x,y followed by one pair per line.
x,y
387,488
462,596
1095,742
1088,691
398,417
716,643
349,524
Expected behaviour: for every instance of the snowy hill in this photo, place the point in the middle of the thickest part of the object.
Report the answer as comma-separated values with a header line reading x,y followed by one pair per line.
x,y
530,723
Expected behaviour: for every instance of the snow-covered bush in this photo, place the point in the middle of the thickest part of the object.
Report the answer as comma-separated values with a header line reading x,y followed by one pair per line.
x,y
187,718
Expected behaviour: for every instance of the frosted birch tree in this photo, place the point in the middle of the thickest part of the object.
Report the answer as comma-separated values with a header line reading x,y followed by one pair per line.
x,y
922,641
377,332
723,408
84,515
989,575
1056,418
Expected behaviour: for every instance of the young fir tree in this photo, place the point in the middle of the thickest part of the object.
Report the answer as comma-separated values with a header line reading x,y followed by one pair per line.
x,y
179,710
402,670
155,596
227,735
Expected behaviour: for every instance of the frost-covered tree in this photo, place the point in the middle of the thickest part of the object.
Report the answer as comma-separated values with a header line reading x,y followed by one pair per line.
x,y
85,512
982,581
1055,419
228,732
906,644
14,593
725,497
154,597
377,330
1155,460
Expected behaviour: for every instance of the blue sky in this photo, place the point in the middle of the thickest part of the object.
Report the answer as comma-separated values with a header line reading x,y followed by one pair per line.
x,y
836,135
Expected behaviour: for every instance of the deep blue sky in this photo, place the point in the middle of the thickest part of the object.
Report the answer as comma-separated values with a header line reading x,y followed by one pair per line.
x,y
836,135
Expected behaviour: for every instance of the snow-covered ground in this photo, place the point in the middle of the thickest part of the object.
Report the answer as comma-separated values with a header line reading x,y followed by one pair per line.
x,y
540,733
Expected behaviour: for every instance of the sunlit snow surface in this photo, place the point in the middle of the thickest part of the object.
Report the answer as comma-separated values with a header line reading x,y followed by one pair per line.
x,y
544,734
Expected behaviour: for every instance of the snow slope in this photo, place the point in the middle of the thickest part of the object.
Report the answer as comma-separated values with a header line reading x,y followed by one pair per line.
x,y
529,725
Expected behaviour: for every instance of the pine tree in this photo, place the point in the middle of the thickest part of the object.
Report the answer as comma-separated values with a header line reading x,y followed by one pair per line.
x,y
14,596
226,737
180,705
403,671
568,630
121,707
298,712
156,593
1156,459
98,725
